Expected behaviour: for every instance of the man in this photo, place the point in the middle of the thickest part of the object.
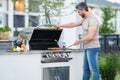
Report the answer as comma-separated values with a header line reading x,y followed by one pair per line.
x,y
90,27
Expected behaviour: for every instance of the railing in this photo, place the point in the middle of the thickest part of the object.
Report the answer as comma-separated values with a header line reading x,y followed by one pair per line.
x,y
110,43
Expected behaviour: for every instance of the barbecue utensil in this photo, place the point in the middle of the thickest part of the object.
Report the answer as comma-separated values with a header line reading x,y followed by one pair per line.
x,y
70,45
44,25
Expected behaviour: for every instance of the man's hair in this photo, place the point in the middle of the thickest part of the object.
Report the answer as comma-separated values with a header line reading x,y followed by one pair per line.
x,y
82,5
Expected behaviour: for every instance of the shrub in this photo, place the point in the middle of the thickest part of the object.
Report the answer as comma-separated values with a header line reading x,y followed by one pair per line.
x,y
108,65
4,29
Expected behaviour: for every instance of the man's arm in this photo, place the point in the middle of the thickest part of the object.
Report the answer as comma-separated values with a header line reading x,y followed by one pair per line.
x,y
68,25
88,37
93,25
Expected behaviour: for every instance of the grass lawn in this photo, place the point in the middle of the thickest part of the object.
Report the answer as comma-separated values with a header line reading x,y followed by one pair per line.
x,y
117,77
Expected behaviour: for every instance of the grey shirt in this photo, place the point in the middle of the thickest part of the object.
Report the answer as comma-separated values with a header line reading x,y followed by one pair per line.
x,y
91,22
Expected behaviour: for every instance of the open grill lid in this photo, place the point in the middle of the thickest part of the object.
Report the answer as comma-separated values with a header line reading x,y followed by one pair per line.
x,y
42,39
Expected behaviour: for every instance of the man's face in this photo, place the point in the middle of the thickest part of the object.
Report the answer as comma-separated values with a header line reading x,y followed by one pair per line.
x,y
81,12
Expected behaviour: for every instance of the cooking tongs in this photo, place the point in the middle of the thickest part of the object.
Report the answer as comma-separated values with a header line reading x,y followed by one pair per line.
x,y
70,46
39,26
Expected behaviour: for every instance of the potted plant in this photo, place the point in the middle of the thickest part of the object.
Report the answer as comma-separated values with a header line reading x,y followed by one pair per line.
x,y
4,32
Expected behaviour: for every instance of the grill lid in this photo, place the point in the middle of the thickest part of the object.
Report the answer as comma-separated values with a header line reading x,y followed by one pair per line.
x,y
42,39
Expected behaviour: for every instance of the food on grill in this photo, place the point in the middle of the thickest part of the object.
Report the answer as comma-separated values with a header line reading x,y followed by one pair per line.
x,y
54,48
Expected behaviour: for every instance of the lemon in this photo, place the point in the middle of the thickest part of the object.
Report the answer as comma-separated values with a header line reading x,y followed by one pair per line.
x,y
14,49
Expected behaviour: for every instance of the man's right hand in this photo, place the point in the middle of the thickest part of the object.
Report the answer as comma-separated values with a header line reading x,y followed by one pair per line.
x,y
56,25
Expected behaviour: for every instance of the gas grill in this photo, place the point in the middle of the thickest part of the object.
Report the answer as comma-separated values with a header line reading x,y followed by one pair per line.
x,y
42,39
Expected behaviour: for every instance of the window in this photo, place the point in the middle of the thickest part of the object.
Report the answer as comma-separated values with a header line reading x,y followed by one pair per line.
x,y
3,19
34,5
33,21
19,21
0,19
19,5
0,4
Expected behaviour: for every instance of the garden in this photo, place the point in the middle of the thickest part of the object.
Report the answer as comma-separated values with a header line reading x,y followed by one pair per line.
x,y
109,66
109,55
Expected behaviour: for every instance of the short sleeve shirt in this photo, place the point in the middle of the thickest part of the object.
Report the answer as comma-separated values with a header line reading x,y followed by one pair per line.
x,y
91,22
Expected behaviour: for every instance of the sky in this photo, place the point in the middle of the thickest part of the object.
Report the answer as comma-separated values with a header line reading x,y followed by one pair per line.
x,y
118,1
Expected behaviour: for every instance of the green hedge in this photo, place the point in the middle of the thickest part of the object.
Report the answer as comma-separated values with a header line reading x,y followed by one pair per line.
x,y
108,65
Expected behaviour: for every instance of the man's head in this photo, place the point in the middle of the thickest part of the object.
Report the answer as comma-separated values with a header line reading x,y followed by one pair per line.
x,y
82,8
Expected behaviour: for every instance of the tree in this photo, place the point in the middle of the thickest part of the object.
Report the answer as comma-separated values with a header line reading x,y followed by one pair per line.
x,y
107,25
47,8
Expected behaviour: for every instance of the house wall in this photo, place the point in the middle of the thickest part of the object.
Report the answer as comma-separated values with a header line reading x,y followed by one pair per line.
x,y
68,35
118,21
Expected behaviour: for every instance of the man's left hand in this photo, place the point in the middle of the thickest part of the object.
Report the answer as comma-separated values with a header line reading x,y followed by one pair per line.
x,y
77,42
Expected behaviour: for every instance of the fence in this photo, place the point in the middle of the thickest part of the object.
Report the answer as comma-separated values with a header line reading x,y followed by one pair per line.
x,y
110,43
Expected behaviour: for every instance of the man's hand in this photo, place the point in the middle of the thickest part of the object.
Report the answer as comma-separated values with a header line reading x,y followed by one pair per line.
x,y
56,25
77,42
